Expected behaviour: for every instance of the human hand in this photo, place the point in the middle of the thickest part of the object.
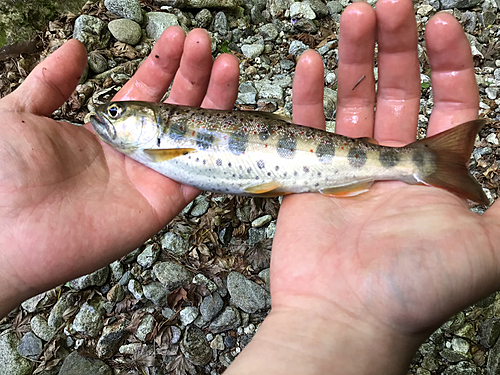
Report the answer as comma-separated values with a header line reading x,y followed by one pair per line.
x,y
358,283
69,203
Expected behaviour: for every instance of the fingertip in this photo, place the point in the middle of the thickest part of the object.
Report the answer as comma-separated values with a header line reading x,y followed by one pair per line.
x,y
223,87
359,19
442,30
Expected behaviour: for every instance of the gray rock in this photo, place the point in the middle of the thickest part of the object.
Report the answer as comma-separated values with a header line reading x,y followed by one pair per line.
x,y
127,276
212,3
297,48
459,4
489,18
126,31
256,15
218,343
243,213
256,235
229,342
155,292
135,288
132,256
195,346
252,51
97,62
97,278
276,7
469,20
265,276
305,25
496,74
268,32
480,151
491,92
247,93
452,356
271,229
111,339
269,92
211,306
229,319
116,293
261,221
203,280
30,346
301,10
462,368
246,294
489,332
11,362
41,328
286,65
329,102
116,270
147,258
55,319
318,7
74,364
220,23
31,304
200,206
174,244
158,22
130,9
146,327
172,275
92,32
188,315
167,313
334,7
89,320
204,18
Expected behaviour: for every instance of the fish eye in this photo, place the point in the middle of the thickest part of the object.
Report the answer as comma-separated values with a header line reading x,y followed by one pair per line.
x,y
114,111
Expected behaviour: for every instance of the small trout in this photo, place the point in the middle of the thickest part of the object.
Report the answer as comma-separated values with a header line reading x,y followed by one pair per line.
x,y
261,154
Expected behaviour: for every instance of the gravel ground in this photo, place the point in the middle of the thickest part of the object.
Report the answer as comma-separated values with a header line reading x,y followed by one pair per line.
x,y
191,298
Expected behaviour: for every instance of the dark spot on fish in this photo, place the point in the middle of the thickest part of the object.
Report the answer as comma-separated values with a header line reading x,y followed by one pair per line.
x,y
229,165
177,130
325,152
189,157
306,170
261,164
197,159
256,177
238,142
234,175
240,177
249,170
316,185
356,157
218,162
204,140
287,146
295,173
158,141
389,158
277,168
204,162
264,133
269,173
319,174
418,159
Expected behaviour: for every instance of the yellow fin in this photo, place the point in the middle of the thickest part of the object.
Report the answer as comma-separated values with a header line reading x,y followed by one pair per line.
x,y
263,188
163,154
348,190
369,140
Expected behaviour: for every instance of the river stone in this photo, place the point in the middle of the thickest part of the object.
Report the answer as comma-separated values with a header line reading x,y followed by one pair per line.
x,y
145,327
116,270
111,338
252,51
246,294
302,10
158,22
172,275
31,304
174,244
459,4
126,31
74,364
97,278
130,9
489,332
212,4
56,314
201,279
11,362
41,328
204,18
156,293
229,319
268,32
88,320
211,306
92,32
334,7
188,315
265,276
255,235
220,23
319,8
135,288
147,258
200,206
195,346
297,48
30,346
116,293
276,7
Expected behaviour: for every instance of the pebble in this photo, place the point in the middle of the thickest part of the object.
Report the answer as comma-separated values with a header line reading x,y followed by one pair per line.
x,y
195,346
425,10
334,7
271,229
252,51
491,92
268,32
158,22
111,338
126,31
41,328
218,343
135,288
255,235
201,206
127,276
247,93
319,8
97,278
92,32
261,221
88,320
30,346
147,258
212,3
301,10
11,362
97,62
297,48
130,349
167,313
201,279
156,293
188,314
211,306
174,244
145,327
172,275
116,270
270,93
329,102
130,9
492,138
56,314
75,364
220,23
31,304
229,342
246,294
229,319
265,275
204,18
489,332
459,4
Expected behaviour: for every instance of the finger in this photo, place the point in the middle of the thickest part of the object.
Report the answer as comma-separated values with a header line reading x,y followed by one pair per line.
x,y
308,91
398,91
191,80
356,84
223,86
456,97
152,79
52,81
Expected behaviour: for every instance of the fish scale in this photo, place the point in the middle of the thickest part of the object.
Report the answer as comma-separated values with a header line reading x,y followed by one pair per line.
x,y
261,154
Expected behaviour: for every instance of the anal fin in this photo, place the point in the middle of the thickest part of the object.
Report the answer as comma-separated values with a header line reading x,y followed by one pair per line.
x,y
350,189
264,188
164,154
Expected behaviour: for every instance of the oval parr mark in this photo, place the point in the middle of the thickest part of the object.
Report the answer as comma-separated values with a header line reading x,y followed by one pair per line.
x,y
218,162
177,130
389,158
261,164
356,157
238,142
418,159
204,140
325,152
287,146
264,133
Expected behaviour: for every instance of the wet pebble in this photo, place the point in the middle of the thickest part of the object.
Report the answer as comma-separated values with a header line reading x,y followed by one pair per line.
x,y
174,244
130,9
97,278
147,258
195,346
211,306
229,319
89,320
30,346
158,22
111,338
126,31
246,294
41,328
172,275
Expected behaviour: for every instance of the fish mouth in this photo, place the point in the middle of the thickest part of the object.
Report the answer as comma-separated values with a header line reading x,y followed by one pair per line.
x,y
103,128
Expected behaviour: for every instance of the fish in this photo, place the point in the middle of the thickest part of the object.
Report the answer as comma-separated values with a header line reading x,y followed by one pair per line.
x,y
262,154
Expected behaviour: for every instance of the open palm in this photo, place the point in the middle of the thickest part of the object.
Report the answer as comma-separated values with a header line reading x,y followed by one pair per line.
x,y
400,258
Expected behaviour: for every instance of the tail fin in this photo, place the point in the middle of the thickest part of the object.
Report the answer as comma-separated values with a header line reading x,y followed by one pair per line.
x,y
453,148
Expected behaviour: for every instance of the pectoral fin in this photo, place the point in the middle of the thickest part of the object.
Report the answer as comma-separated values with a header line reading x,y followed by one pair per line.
x,y
347,190
163,154
264,188
369,140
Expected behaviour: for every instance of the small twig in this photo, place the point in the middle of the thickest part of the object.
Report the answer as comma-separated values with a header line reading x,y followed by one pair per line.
x,y
357,83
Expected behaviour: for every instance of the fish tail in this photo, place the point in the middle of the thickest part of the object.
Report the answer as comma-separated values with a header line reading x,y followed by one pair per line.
x,y
453,148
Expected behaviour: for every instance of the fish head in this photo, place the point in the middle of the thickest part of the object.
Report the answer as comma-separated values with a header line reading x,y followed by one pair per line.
x,y
126,125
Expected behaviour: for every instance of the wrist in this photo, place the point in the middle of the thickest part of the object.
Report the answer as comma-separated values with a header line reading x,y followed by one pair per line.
x,y
298,342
